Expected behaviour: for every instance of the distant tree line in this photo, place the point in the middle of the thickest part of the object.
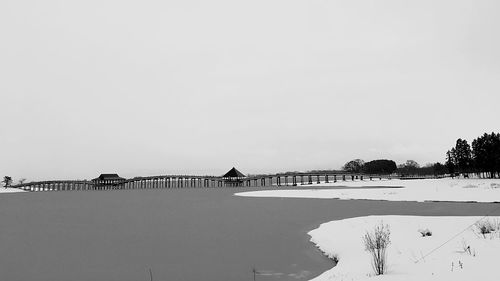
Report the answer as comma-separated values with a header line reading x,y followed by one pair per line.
x,y
482,159
7,181
384,166
412,168
380,166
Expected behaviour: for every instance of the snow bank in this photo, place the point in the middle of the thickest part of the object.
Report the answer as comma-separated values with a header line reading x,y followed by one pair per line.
x,y
410,255
10,190
460,190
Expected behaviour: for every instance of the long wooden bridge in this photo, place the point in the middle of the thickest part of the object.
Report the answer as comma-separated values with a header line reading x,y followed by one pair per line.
x,y
189,181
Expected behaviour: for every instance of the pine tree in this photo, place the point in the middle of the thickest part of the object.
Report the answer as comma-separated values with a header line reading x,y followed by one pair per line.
x,y
463,156
486,154
450,161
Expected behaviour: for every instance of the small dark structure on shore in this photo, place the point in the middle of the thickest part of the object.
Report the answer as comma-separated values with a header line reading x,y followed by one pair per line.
x,y
233,178
107,180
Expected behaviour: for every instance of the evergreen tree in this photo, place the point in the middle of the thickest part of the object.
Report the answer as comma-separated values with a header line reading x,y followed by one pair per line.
x,y
381,166
486,154
450,161
463,156
439,169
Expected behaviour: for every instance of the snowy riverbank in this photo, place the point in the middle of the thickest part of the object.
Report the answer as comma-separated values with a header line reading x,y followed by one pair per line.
x,y
410,255
10,190
460,190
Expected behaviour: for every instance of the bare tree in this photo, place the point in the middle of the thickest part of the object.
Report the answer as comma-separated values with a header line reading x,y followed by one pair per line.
x,y
7,181
354,166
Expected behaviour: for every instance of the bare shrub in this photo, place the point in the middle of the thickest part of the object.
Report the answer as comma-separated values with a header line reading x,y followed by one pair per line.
x,y
467,249
486,226
425,232
376,244
335,258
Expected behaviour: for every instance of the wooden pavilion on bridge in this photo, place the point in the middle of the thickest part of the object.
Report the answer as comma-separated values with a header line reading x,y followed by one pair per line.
x,y
233,178
107,180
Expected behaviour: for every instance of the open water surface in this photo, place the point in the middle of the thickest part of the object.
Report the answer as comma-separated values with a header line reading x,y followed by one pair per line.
x,y
181,234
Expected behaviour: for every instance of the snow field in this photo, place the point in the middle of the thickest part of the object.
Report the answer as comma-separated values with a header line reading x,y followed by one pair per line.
x,y
411,256
458,190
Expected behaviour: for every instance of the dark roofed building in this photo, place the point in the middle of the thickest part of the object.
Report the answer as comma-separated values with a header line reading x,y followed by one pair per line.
x,y
233,173
108,177
107,180
233,178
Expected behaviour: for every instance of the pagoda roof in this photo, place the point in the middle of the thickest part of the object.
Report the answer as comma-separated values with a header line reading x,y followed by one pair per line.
x,y
234,173
109,177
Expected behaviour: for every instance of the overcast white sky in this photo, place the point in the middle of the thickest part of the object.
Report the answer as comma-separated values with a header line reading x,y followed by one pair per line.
x,y
157,87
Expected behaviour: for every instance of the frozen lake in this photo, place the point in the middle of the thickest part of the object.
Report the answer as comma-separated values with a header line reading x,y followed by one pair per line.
x,y
181,234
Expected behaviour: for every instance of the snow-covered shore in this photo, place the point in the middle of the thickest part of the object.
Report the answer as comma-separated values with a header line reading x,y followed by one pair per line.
x,y
410,255
10,190
459,190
